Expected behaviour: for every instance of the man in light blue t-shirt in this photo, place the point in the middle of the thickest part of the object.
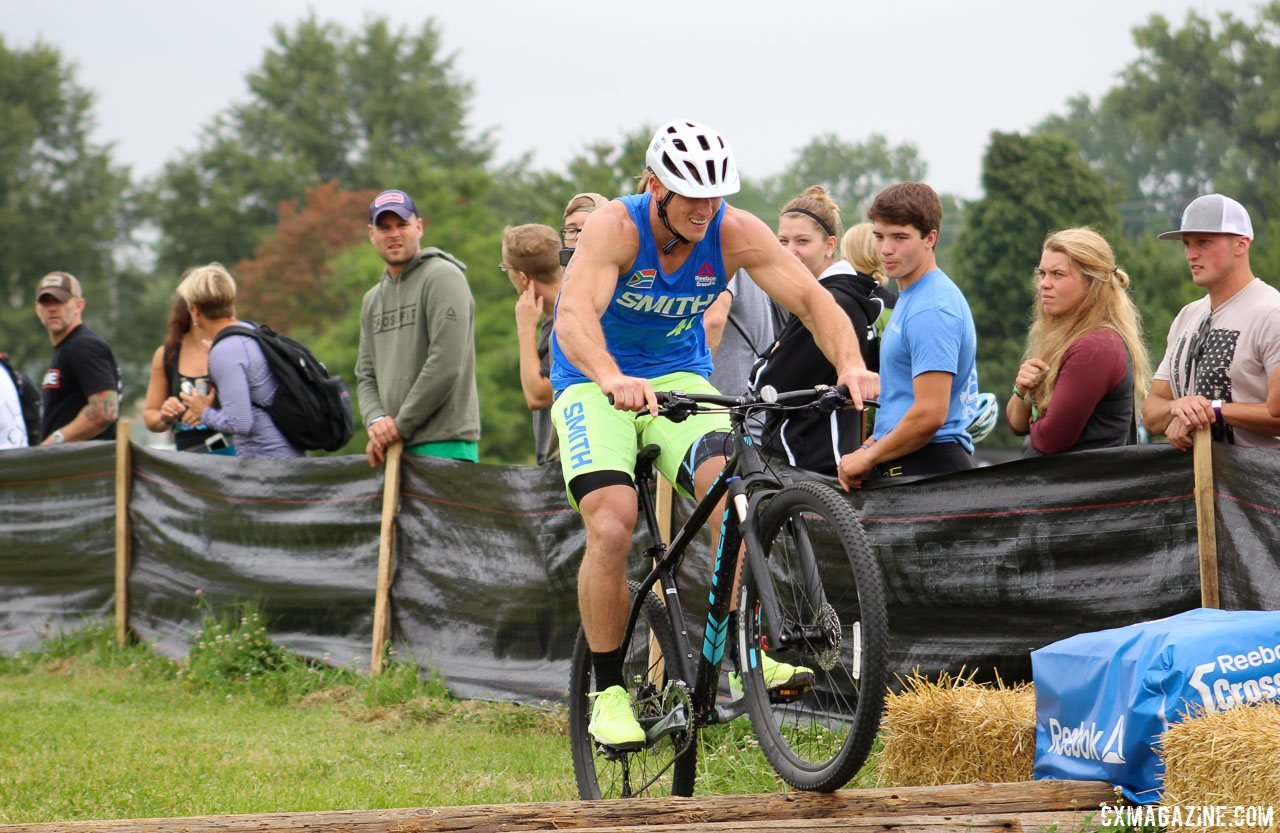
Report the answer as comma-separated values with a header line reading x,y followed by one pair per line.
x,y
928,361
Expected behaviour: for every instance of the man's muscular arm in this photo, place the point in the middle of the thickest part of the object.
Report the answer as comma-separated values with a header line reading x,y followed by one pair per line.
x,y
607,245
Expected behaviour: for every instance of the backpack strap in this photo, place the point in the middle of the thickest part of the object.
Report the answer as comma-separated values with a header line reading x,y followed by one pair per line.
x,y
235,330
241,330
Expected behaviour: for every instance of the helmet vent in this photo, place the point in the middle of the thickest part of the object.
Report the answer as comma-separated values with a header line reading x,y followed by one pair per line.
x,y
671,166
693,173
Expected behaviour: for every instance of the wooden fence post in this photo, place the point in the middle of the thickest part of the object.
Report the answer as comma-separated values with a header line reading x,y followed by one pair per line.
x,y
386,555
1206,530
124,471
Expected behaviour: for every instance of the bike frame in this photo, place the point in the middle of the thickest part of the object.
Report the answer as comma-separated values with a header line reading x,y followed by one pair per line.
x,y
746,482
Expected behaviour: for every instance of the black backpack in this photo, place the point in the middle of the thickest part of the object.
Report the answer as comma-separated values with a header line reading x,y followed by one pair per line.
x,y
312,407
29,396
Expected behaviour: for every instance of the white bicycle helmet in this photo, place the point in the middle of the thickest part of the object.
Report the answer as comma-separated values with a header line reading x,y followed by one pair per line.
x,y
984,422
692,160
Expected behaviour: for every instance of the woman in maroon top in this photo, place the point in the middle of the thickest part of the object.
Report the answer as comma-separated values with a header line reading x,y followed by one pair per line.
x,y
1085,368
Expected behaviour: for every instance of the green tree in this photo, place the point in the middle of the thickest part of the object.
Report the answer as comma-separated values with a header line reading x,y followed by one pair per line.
x,y
326,104
611,168
63,201
1033,185
854,172
605,166
287,282
1195,112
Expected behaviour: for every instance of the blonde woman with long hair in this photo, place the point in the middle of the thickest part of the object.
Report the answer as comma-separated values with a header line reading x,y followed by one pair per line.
x,y
1085,369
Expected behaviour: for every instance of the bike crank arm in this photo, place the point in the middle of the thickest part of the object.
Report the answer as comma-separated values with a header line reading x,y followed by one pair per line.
x,y
676,720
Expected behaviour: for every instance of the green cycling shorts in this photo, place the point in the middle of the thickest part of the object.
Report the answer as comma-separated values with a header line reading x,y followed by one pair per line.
x,y
595,436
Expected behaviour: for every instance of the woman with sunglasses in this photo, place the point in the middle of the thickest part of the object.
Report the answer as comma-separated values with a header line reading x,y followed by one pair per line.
x,y
1085,368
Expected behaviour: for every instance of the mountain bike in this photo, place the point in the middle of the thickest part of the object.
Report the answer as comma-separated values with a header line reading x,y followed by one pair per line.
x,y
810,594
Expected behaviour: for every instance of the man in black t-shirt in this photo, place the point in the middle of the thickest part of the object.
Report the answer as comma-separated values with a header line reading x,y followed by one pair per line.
x,y
82,385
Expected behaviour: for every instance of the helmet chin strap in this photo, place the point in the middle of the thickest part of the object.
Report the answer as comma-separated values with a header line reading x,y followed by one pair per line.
x,y
662,217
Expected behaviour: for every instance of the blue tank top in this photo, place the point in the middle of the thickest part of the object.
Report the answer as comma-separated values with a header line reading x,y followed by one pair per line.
x,y
653,325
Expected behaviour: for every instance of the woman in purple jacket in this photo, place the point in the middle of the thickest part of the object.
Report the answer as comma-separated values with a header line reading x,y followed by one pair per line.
x,y
242,379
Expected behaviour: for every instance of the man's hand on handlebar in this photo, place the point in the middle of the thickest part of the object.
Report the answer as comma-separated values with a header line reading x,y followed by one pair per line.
x,y
630,393
862,385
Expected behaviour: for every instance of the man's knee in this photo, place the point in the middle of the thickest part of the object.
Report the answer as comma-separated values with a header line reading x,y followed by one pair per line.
x,y
609,513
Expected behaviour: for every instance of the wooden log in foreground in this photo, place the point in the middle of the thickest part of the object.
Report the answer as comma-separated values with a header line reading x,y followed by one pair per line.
x,y
1027,805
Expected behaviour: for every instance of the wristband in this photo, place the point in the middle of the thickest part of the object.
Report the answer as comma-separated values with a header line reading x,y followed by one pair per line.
x,y
1019,393
1217,411
864,446
375,419
58,439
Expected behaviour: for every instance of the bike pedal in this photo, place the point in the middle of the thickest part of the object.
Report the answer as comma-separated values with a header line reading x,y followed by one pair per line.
x,y
786,695
617,753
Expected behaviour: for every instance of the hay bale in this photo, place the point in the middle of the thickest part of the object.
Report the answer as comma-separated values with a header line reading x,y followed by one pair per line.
x,y
1225,758
956,731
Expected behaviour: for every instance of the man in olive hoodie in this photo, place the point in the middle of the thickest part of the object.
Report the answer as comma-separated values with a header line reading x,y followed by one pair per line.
x,y
416,370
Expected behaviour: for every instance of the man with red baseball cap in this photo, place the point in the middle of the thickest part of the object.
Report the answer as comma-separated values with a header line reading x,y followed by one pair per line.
x,y
81,388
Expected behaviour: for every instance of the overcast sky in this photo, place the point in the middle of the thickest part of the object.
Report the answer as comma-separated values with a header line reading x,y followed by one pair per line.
x,y
552,76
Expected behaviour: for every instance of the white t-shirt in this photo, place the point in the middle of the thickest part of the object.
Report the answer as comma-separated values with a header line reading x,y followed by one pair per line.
x,y
1230,357
13,431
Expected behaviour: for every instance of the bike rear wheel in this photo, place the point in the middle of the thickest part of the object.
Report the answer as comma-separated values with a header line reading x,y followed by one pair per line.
x,y
666,766
829,587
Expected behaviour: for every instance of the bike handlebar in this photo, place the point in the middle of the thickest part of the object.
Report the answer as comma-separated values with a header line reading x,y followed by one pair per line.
x,y
824,397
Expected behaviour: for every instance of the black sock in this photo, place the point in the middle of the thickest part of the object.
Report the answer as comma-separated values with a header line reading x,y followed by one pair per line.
x,y
607,666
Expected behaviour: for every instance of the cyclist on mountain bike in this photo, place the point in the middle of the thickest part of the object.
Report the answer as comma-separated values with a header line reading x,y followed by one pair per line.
x,y
629,322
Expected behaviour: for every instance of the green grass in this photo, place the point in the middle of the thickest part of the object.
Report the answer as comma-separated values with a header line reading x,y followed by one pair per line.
x,y
92,731
78,742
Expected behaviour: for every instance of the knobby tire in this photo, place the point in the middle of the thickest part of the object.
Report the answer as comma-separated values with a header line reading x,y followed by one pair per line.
x,y
817,739
599,776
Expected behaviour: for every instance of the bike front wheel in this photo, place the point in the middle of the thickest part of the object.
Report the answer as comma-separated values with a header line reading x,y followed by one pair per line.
x,y
666,765
817,734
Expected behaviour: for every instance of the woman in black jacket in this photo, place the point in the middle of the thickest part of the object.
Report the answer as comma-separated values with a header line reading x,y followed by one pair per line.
x,y
809,227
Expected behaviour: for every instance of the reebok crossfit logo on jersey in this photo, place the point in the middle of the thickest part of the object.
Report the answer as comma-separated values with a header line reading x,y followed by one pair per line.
x,y
706,275
642,279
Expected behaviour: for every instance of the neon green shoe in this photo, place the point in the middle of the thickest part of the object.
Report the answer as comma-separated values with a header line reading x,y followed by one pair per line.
x,y
777,675
613,724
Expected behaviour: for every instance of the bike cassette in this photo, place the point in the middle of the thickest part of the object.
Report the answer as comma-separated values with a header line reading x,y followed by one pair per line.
x,y
826,655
